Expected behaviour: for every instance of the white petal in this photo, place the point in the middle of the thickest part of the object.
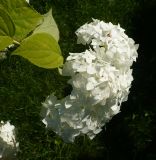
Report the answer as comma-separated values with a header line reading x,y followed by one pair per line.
x,y
89,86
91,69
67,104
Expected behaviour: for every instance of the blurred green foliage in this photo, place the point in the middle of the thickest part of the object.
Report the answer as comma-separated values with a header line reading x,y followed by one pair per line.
x,y
130,135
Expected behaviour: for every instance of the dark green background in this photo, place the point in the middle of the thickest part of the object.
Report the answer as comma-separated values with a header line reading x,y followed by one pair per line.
x,y
130,135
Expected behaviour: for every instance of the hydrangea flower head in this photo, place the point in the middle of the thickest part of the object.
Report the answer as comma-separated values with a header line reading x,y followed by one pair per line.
x,y
8,144
100,77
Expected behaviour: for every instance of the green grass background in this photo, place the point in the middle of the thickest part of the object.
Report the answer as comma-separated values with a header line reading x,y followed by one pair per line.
x,y
23,86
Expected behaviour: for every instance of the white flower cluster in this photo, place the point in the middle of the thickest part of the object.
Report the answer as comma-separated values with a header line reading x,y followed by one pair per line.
x,y
2,55
100,77
8,144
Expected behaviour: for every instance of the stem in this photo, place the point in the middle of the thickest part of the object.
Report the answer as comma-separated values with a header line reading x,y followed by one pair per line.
x,y
16,42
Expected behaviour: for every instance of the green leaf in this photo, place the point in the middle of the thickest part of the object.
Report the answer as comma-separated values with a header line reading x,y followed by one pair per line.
x,y
23,16
48,26
5,41
42,50
7,27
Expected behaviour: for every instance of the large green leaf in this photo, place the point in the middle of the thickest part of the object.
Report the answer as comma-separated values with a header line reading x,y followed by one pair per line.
x,y
7,27
42,50
23,16
48,26
5,41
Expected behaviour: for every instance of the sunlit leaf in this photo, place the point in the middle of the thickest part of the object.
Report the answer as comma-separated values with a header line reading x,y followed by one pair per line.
x,y
48,26
7,27
42,50
5,41
23,16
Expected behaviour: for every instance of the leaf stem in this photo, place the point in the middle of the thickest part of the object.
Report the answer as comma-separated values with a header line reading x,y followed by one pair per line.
x,y
16,42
